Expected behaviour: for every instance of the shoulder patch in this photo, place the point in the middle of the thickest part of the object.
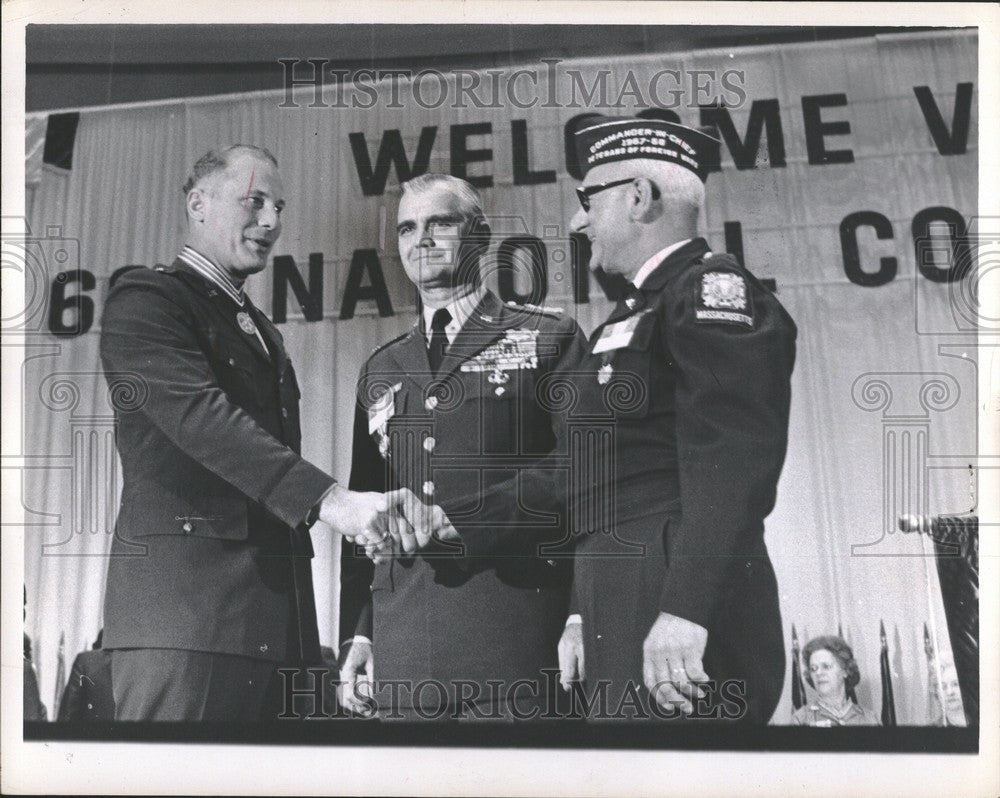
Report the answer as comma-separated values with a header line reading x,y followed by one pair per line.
x,y
723,297
546,309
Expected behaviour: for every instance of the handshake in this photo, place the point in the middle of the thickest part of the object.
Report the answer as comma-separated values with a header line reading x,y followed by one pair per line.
x,y
384,522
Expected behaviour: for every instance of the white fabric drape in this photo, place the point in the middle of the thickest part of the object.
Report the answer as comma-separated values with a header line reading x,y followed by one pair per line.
x,y
121,204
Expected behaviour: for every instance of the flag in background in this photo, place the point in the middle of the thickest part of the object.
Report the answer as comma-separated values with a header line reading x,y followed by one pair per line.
x,y
60,675
888,702
798,689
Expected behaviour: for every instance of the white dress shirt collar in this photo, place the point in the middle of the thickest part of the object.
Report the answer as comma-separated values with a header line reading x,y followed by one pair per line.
x,y
647,268
460,311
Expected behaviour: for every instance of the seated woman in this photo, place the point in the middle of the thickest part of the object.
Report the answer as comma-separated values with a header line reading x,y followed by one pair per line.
x,y
831,671
954,714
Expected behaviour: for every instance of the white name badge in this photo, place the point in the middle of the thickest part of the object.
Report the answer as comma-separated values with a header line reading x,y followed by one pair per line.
x,y
383,409
619,334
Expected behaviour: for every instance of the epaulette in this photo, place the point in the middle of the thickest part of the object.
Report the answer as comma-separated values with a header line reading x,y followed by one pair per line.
x,y
387,344
718,260
547,310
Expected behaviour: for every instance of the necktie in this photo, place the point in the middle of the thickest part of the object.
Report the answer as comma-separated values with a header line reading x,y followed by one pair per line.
x,y
439,340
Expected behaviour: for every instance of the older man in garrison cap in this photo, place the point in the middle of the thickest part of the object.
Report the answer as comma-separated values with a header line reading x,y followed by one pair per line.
x,y
677,601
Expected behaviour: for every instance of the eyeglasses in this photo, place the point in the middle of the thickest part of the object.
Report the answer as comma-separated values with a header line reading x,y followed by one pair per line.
x,y
584,193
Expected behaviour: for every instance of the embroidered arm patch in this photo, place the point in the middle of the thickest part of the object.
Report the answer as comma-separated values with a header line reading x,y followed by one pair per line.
x,y
723,297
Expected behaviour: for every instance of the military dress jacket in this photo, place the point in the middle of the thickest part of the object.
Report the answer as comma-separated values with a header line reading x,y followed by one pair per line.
x,y
683,400
488,414
209,552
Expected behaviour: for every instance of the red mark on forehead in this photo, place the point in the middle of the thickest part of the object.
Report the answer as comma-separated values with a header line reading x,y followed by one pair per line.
x,y
250,187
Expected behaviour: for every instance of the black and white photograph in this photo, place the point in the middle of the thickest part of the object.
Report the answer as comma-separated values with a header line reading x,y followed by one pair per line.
x,y
519,399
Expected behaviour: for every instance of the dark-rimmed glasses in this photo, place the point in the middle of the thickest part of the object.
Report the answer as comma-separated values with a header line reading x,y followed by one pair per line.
x,y
584,193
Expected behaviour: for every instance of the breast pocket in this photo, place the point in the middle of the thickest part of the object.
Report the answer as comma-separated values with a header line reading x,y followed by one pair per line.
x,y
233,369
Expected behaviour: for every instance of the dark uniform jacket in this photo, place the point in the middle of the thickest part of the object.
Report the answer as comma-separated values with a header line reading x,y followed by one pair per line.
x,y
88,695
440,615
208,553
680,428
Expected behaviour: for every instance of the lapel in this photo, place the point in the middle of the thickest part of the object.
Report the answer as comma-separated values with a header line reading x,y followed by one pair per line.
x,y
410,359
482,328
227,311
274,340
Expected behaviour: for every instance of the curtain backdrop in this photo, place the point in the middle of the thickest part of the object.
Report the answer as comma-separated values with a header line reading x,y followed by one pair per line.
x,y
884,391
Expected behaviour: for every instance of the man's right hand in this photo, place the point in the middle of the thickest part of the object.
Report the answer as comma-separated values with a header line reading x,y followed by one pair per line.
x,y
361,517
357,659
571,655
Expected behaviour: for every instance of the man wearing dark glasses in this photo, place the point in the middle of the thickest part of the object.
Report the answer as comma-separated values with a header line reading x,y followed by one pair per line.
x,y
690,379
699,455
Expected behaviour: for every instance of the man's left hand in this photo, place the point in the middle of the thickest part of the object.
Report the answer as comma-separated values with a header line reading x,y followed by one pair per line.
x,y
671,661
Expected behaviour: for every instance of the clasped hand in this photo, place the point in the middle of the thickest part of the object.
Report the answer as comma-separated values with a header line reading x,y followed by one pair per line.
x,y
382,522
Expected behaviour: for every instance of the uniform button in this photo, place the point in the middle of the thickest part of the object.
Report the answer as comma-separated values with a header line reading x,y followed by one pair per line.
x,y
551,562
428,488
284,412
431,402
429,444
232,361
599,637
708,255
263,649
188,526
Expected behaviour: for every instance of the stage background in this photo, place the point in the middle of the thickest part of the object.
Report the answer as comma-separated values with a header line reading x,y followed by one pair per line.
x,y
884,391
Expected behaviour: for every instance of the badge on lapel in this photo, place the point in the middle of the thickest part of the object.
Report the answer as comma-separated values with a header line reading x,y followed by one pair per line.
x,y
246,323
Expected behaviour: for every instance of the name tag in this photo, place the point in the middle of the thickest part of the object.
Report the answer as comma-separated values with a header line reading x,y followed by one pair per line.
x,y
619,334
383,409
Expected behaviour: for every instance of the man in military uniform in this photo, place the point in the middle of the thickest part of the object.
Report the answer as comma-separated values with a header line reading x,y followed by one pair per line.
x,y
460,402
209,582
690,375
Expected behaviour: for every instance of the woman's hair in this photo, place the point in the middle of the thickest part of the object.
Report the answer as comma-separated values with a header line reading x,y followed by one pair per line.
x,y
840,650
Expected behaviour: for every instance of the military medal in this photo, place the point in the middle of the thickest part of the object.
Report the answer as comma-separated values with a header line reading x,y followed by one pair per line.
x,y
499,377
246,323
604,374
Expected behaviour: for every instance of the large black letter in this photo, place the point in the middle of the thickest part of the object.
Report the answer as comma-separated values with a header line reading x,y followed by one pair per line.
x,y
852,256
763,114
462,156
59,303
310,299
538,269
390,150
817,129
954,143
579,248
925,245
734,240
365,259
523,176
